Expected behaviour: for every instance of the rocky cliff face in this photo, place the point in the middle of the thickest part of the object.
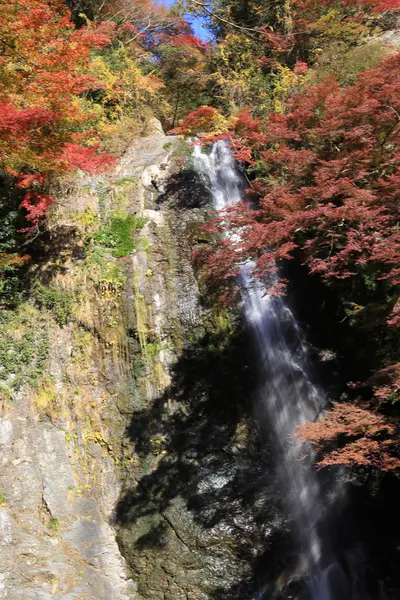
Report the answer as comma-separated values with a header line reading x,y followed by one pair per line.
x,y
61,427
194,513
56,540
129,464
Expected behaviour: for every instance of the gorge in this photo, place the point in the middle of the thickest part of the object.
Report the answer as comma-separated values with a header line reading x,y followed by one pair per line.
x,y
184,447
199,300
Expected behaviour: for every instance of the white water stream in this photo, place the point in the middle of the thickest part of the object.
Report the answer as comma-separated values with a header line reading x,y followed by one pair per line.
x,y
287,396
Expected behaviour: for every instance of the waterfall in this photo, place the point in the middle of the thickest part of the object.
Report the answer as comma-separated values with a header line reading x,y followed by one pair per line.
x,y
287,396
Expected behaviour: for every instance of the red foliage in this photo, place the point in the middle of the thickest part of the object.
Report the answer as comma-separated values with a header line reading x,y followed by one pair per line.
x,y
379,6
44,69
201,120
18,121
185,39
385,384
87,159
330,183
328,189
364,438
36,206
300,68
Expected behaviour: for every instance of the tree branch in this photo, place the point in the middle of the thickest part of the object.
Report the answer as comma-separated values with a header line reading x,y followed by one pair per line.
x,y
221,19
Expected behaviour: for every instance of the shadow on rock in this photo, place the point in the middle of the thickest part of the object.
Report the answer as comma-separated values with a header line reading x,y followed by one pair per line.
x,y
198,519
177,188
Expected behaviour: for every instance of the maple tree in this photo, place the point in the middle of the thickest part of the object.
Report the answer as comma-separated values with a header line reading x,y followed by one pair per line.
x,y
326,190
328,177
46,124
183,67
366,438
202,120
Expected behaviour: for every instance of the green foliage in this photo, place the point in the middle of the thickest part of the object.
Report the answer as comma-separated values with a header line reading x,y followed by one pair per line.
x,y
237,78
54,524
2,498
102,268
153,349
24,346
10,242
338,59
10,284
117,233
59,302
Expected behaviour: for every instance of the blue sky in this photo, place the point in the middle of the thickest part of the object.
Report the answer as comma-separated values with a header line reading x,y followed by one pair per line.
x,y
199,30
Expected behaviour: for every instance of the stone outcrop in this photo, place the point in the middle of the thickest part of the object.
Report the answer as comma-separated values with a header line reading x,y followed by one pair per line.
x,y
129,465
55,537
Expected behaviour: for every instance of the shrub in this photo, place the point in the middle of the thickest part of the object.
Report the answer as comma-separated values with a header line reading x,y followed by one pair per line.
x,y
57,301
117,233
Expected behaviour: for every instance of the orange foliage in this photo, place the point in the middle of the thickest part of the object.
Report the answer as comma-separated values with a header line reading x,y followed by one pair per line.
x,y
43,73
201,120
7,260
364,438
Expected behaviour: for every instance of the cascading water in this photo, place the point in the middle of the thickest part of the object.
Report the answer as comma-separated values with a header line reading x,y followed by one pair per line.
x,y
287,397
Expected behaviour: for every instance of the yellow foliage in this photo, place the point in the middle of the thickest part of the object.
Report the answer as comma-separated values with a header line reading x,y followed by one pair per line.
x,y
286,80
124,84
332,26
238,74
46,394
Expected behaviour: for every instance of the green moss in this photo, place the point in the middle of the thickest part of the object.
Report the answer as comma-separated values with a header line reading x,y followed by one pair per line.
x,y
46,394
103,269
24,346
5,392
143,245
141,318
54,524
69,438
117,233
81,348
153,349
183,150
125,181
59,302
2,498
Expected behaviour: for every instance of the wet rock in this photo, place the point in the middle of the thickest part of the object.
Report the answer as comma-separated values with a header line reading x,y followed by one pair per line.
x,y
194,515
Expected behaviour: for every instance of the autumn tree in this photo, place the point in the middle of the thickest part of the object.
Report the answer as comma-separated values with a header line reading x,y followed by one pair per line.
x,y
46,124
141,18
328,177
183,66
326,191
260,45
205,119
354,436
